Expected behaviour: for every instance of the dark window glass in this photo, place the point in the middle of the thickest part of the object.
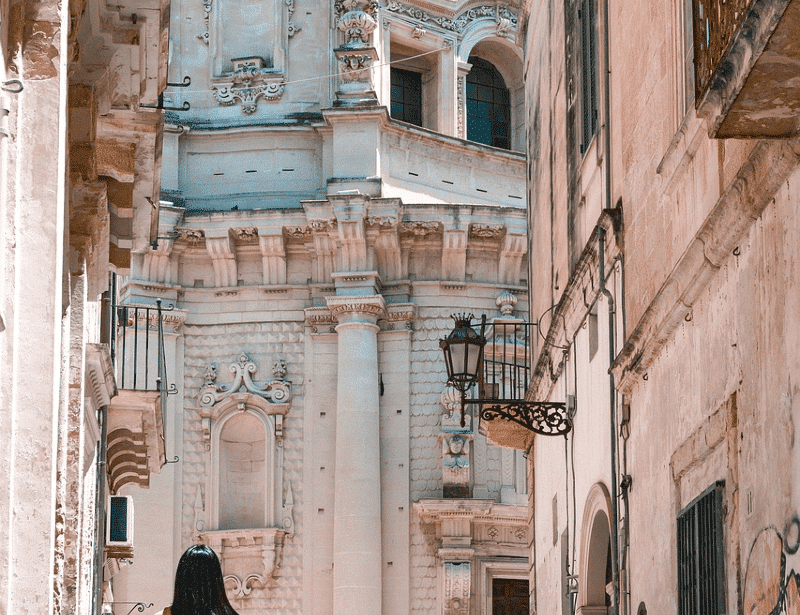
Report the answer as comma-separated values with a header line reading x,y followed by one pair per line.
x,y
407,96
700,556
587,15
488,108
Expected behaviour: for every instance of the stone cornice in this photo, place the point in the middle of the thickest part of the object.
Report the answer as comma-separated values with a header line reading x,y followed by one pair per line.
x,y
767,167
485,511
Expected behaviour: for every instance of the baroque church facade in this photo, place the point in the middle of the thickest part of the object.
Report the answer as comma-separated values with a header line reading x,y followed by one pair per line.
x,y
337,181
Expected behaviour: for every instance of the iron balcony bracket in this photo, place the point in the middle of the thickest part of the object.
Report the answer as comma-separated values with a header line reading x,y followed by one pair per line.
x,y
543,417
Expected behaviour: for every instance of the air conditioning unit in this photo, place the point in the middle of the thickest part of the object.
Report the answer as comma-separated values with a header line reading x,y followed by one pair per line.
x,y
119,522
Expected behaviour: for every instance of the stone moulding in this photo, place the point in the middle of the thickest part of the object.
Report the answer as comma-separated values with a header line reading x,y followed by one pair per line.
x,y
742,203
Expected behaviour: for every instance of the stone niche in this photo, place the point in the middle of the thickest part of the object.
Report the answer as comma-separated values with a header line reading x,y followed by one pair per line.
x,y
249,511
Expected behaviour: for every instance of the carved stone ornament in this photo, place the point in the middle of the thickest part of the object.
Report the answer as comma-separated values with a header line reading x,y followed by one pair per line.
x,y
354,66
276,391
249,557
322,226
340,306
450,399
357,20
456,588
381,221
420,229
506,302
191,236
505,18
246,235
292,27
248,82
486,231
297,232
207,6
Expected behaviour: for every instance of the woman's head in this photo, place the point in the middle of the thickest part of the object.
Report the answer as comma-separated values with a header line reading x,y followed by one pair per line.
x,y
199,588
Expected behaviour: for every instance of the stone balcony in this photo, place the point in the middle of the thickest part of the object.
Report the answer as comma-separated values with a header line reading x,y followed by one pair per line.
x,y
746,58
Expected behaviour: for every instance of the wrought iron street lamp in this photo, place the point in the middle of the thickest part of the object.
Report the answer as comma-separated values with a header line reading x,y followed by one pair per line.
x,y
502,375
463,355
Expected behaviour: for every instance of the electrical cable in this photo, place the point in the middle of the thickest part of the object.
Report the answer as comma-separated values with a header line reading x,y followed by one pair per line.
x,y
330,76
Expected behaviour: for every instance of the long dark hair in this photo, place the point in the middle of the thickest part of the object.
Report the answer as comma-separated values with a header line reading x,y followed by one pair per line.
x,y
199,588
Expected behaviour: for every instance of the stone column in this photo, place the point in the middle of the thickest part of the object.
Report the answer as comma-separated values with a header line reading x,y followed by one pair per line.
x,y
357,497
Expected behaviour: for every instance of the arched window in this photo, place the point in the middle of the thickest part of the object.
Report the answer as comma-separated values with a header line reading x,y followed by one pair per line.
x,y
488,105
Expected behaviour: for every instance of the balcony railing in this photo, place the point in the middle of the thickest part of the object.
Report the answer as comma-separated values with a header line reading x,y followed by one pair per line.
x,y
138,348
744,51
507,369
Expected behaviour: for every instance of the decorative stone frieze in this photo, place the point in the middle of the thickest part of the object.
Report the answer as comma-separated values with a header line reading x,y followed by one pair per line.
x,y
344,306
247,234
400,315
207,6
505,17
291,27
277,391
320,320
191,237
297,233
357,20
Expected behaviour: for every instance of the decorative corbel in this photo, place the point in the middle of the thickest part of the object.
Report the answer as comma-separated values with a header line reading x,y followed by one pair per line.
x,y
223,257
454,255
515,245
273,258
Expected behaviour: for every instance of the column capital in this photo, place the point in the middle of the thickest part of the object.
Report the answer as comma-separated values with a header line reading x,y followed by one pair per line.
x,y
364,308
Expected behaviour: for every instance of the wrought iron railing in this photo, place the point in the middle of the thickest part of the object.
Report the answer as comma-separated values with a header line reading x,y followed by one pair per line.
x,y
138,348
506,374
715,24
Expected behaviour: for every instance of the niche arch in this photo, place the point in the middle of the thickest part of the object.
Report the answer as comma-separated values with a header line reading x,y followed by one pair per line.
x,y
246,466
595,553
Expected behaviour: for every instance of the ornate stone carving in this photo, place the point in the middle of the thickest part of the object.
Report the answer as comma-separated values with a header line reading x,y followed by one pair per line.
x,y
450,398
506,302
357,19
249,557
486,231
418,32
297,232
340,306
322,226
246,235
354,66
506,18
456,588
381,221
276,391
420,229
191,236
205,36
249,81
291,27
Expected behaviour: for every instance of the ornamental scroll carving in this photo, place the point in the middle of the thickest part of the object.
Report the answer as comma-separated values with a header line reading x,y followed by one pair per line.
x,y
357,19
505,18
249,82
276,391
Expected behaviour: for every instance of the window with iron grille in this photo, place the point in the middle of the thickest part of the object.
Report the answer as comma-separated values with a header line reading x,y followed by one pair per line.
x,y
407,96
587,17
700,555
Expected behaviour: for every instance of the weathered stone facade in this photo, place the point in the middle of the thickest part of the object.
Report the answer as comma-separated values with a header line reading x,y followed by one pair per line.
x,y
665,249
317,248
78,157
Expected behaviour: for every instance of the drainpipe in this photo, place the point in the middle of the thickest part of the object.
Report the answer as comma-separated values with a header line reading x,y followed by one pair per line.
x,y
100,513
612,402
611,310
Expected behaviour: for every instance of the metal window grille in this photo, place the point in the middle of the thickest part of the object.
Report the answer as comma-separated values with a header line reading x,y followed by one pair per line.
x,y
700,555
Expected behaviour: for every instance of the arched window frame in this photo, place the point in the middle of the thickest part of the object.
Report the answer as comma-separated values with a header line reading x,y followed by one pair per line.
x,y
597,508
481,40
271,416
